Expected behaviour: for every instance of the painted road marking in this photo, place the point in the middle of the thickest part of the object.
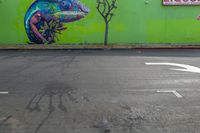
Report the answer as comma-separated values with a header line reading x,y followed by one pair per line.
x,y
1,92
159,91
186,68
170,91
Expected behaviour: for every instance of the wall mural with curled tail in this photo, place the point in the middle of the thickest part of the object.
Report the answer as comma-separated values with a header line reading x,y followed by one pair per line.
x,y
45,19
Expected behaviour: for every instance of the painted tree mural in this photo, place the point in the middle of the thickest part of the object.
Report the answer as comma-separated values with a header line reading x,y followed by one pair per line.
x,y
106,8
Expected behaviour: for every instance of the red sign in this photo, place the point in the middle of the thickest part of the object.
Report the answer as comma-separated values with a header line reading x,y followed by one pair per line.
x,y
181,2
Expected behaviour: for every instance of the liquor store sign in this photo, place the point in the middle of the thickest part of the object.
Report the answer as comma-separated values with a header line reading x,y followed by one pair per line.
x,y
181,2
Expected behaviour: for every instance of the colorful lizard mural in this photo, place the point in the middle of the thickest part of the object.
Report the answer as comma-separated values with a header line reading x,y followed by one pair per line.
x,y
45,18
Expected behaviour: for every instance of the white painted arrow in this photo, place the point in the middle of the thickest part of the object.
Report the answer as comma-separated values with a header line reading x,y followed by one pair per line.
x,y
186,68
170,91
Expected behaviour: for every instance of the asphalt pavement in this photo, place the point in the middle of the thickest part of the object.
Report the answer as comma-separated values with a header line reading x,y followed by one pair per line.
x,y
100,91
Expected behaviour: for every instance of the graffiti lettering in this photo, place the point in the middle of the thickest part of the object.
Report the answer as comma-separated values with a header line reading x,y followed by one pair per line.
x,y
181,2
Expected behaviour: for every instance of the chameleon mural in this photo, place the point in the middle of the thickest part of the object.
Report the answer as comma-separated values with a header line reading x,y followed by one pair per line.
x,y
45,18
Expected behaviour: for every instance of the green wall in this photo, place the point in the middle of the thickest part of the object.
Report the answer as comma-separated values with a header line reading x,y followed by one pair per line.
x,y
136,21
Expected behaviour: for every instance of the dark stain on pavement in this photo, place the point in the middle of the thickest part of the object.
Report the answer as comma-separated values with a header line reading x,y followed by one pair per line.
x,y
52,90
55,89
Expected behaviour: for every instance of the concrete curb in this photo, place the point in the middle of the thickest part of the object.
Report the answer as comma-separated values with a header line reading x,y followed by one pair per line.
x,y
95,47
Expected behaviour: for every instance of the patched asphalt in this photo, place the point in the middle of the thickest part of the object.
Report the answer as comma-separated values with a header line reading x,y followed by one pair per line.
x,y
98,91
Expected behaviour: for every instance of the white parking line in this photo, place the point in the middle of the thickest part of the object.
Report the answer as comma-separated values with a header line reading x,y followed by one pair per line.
x,y
1,92
170,91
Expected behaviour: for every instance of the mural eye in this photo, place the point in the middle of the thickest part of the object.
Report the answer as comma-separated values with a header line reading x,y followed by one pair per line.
x,y
63,3
66,4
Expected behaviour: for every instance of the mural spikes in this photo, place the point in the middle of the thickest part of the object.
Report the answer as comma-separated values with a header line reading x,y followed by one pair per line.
x,y
45,18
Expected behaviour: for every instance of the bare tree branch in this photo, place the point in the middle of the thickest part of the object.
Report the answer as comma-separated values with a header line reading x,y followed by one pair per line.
x,y
104,8
104,5
113,5
108,4
110,17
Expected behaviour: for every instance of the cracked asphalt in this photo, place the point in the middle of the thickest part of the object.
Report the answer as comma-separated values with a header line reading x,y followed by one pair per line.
x,y
98,91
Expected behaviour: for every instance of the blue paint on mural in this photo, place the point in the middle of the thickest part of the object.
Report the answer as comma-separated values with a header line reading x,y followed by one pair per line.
x,y
44,18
